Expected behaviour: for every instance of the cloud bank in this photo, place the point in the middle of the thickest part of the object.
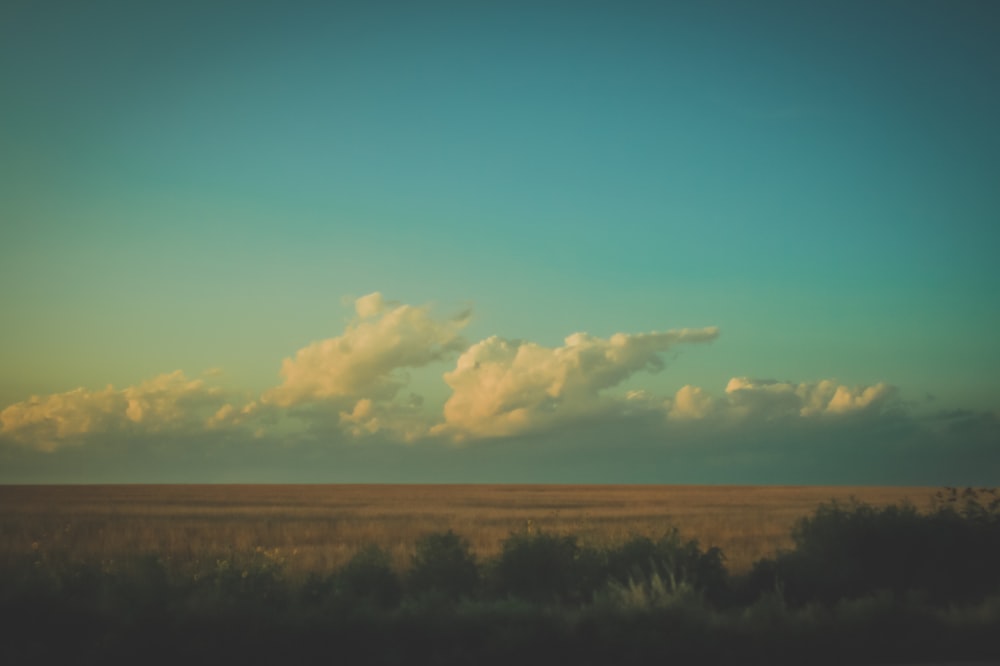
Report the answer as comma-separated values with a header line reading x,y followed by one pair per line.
x,y
353,390
167,403
769,400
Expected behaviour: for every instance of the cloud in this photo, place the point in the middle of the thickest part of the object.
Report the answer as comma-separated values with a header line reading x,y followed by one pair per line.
x,y
747,399
399,421
343,408
690,402
364,362
771,399
167,403
47,422
504,387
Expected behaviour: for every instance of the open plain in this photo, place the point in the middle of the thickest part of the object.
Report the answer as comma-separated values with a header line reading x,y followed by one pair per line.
x,y
317,528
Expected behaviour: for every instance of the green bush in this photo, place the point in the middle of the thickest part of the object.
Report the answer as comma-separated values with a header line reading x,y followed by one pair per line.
x,y
443,565
539,567
368,579
855,550
673,561
636,559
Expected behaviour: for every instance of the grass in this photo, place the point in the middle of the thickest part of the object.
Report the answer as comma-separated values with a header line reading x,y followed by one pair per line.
x,y
318,529
861,583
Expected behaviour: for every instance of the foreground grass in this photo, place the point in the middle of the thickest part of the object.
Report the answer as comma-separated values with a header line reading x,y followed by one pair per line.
x,y
867,631
863,584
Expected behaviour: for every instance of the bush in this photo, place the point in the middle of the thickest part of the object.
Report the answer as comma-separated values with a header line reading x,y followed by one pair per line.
x,y
636,559
368,579
855,550
443,565
671,560
539,567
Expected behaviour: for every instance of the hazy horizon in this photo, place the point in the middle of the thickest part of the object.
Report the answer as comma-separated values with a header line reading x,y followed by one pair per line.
x,y
689,243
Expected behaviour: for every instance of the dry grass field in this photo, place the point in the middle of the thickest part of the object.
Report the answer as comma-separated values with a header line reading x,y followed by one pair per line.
x,y
318,528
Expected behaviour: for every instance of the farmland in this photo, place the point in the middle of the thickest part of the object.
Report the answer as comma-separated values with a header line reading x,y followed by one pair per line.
x,y
317,528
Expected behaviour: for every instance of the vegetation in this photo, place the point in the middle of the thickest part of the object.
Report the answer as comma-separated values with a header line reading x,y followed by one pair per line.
x,y
318,529
848,551
444,565
860,583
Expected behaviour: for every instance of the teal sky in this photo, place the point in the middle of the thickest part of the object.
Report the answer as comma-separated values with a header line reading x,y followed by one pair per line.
x,y
191,186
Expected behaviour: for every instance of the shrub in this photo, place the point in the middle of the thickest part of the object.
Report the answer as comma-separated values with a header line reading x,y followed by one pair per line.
x,y
855,550
703,570
636,559
673,562
445,566
368,579
539,567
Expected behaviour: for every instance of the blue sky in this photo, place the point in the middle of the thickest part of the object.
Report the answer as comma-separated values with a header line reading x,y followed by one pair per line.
x,y
188,187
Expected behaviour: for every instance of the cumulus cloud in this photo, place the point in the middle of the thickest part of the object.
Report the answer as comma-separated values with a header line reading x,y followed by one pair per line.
x,y
690,402
169,402
351,387
565,412
365,361
47,422
504,387
747,399
773,399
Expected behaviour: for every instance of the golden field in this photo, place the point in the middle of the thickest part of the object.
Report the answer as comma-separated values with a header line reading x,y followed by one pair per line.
x,y
319,527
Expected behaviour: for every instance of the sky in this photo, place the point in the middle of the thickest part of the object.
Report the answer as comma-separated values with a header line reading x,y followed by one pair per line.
x,y
630,242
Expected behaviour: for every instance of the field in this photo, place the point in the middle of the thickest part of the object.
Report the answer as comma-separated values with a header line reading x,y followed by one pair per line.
x,y
314,528
535,574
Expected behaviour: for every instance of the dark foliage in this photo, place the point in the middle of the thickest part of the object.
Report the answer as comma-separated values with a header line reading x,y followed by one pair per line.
x,y
538,567
891,584
368,579
443,566
853,550
674,560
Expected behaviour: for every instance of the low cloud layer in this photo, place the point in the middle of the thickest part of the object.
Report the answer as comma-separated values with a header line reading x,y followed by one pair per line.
x,y
502,387
353,391
167,403
770,400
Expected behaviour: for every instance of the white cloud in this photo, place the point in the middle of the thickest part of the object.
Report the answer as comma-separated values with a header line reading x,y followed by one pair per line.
x,y
503,387
370,306
771,399
847,400
351,385
47,422
690,402
364,362
168,402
